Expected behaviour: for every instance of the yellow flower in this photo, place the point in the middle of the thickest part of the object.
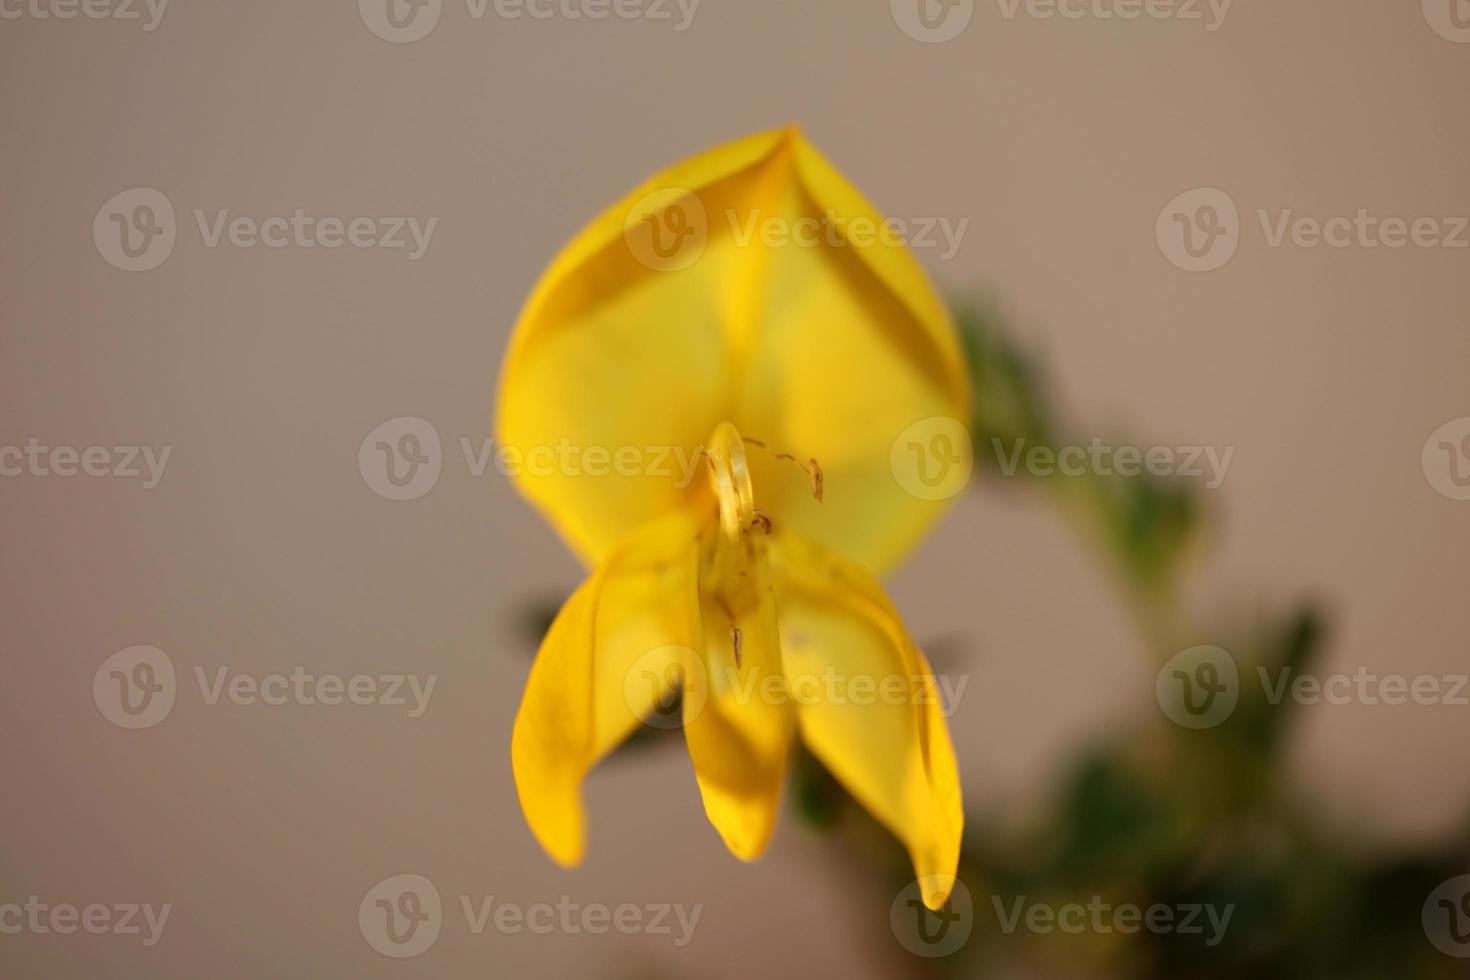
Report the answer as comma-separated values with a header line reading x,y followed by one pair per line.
x,y
702,395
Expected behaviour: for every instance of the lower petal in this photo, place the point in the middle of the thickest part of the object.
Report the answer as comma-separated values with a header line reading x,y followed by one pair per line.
x,y
867,705
613,652
739,726
739,731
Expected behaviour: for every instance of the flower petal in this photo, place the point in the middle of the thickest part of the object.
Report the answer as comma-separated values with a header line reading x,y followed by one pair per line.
x,y
602,668
791,312
869,711
614,352
854,348
739,726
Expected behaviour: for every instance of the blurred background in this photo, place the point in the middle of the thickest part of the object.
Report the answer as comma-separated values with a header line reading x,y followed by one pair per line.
x,y
1133,268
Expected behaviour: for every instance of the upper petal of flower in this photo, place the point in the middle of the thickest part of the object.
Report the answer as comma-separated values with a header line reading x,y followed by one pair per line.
x,y
754,284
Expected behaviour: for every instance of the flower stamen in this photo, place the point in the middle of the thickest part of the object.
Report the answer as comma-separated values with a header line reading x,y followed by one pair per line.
x,y
812,468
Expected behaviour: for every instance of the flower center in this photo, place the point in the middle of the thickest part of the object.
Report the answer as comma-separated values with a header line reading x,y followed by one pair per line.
x,y
735,578
730,479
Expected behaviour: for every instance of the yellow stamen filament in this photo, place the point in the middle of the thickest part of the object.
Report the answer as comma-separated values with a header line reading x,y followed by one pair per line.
x,y
812,468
